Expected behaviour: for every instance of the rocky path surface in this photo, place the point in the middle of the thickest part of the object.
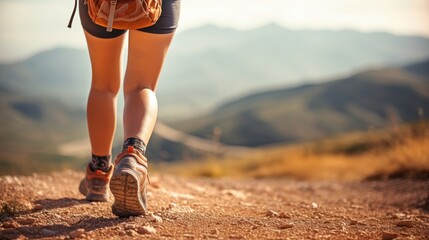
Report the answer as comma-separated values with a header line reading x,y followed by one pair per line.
x,y
50,206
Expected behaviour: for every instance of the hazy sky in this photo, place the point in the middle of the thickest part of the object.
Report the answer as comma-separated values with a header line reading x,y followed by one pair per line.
x,y
28,26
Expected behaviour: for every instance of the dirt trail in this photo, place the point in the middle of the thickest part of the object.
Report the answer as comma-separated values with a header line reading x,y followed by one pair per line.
x,y
50,206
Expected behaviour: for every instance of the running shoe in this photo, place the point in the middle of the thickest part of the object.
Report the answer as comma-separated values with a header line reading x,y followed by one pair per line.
x,y
95,185
129,183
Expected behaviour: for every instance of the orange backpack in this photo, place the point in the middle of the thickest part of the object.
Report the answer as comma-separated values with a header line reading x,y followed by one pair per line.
x,y
122,14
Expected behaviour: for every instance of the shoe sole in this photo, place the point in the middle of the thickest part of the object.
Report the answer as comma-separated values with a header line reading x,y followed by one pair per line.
x,y
125,187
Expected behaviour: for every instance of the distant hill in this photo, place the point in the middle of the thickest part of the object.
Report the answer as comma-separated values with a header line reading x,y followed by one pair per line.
x,y
60,73
208,65
31,129
367,99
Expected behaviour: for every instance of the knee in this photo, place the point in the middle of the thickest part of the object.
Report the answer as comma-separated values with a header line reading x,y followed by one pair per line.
x,y
111,86
137,81
147,89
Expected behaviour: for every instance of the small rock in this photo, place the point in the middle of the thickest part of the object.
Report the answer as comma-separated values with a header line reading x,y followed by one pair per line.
x,y
37,207
172,205
353,222
77,233
284,215
10,224
27,221
254,227
389,236
287,225
314,205
47,232
214,232
130,226
155,218
271,213
188,235
399,215
406,223
132,233
146,230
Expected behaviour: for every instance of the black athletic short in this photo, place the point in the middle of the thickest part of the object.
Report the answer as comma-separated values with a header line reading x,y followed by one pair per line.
x,y
167,23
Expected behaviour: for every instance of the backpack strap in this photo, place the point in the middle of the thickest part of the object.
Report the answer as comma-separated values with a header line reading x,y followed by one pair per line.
x,y
73,13
111,15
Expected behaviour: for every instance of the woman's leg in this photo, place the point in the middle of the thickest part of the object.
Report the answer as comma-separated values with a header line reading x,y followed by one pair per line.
x,y
105,56
146,55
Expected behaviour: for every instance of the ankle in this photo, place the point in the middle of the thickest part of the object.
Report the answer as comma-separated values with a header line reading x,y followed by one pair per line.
x,y
100,163
135,142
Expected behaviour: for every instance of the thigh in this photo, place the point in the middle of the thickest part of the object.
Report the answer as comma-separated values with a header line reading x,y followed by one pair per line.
x,y
105,56
146,54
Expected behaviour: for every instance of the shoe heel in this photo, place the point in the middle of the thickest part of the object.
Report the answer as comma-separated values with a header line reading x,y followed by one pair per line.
x,y
97,197
91,196
125,187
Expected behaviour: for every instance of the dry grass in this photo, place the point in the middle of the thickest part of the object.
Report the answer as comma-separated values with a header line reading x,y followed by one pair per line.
x,y
354,156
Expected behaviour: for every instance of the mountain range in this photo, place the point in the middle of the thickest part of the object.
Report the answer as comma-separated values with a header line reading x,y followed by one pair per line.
x,y
211,65
368,99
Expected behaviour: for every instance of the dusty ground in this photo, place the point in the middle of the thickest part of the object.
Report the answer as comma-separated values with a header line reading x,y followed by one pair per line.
x,y
50,206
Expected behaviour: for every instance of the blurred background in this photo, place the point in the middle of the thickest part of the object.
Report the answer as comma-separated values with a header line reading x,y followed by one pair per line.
x,y
305,89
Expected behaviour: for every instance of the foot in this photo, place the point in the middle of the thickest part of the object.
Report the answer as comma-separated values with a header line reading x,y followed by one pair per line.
x,y
95,185
129,183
